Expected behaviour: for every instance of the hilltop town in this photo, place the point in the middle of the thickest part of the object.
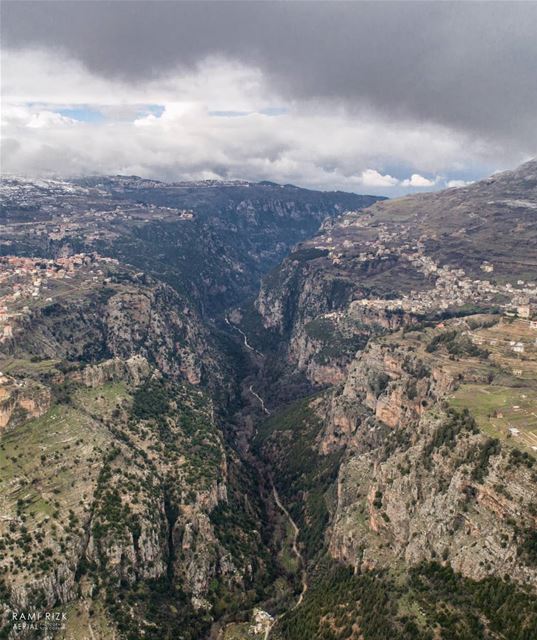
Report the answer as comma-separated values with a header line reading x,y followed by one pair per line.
x,y
452,287
29,283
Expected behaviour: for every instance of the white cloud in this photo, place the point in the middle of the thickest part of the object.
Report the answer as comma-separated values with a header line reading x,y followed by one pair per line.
x,y
23,116
416,180
42,119
372,178
458,183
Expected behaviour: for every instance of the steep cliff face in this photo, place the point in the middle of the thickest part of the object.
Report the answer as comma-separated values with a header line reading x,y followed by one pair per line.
x,y
396,473
417,469
314,303
395,383
424,450
115,477
121,314
27,399
437,488
125,502
399,262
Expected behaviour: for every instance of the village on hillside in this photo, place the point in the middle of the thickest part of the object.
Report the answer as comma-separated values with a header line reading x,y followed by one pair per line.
x,y
452,288
29,282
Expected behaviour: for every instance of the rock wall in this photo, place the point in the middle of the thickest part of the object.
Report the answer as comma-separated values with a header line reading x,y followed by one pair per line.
x,y
22,400
419,494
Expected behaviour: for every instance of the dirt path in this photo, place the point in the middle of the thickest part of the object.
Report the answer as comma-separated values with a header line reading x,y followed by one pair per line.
x,y
90,628
251,390
296,551
244,336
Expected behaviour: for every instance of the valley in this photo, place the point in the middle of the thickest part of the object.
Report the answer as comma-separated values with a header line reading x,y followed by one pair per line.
x,y
246,411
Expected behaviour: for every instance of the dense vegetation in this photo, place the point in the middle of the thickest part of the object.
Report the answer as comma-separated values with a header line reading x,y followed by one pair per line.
x,y
433,602
334,341
470,609
301,475
456,345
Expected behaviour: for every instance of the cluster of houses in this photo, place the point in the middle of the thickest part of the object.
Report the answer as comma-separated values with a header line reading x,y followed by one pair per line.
x,y
25,281
69,208
452,287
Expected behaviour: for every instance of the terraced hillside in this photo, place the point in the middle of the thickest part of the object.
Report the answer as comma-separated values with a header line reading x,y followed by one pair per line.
x,y
114,473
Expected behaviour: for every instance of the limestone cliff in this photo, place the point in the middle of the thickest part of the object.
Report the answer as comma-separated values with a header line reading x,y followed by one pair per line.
x,y
416,476
114,469
437,488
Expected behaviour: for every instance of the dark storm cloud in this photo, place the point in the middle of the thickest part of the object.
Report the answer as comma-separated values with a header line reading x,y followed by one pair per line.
x,y
467,65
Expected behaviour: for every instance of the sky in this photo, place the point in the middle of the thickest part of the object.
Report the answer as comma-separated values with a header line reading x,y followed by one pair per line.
x,y
372,97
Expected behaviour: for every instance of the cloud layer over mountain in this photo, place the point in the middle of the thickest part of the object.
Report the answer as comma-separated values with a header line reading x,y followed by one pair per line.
x,y
385,97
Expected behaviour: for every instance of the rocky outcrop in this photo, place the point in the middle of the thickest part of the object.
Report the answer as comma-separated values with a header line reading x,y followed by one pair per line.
x,y
145,509
398,509
396,385
131,371
436,488
22,400
316,309
131,463
150,323
133,316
